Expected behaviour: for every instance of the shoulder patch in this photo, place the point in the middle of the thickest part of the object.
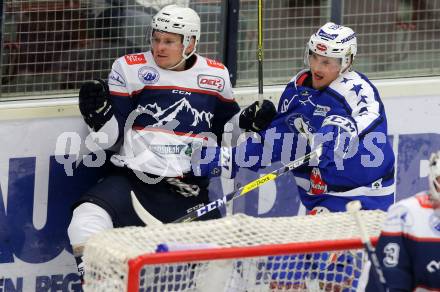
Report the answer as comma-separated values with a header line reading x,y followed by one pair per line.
x,y
214,63
135,59
116,79
424,201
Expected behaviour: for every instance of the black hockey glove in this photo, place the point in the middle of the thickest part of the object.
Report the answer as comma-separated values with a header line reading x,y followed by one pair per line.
x,y
255,117
94,103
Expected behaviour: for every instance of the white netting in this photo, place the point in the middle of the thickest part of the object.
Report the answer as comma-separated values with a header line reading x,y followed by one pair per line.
x,y
107,254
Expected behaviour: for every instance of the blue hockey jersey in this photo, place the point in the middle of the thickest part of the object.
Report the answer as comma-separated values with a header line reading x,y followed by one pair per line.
x,y
409,246
365,174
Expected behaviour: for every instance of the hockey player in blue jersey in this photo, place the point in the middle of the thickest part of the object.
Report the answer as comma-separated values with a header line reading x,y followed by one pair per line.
x,y
329,103
157,106
409,244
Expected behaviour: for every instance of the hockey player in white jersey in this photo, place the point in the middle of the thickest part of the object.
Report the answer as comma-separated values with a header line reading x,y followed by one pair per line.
x,y
409,244
158,105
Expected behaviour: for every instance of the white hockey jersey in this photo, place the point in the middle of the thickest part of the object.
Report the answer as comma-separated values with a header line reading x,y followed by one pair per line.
x,y
409,246
161,115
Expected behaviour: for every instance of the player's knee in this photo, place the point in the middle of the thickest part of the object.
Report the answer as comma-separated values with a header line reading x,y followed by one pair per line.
x,y
87,220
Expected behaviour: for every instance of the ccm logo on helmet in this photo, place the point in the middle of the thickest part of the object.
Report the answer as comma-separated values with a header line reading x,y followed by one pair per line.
x,y
211,82
162,19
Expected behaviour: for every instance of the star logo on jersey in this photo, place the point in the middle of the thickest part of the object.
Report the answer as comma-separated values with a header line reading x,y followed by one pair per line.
x,y
356,88
345,80
363,99
363,111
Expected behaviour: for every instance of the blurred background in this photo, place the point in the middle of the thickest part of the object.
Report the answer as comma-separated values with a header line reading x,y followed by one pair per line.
x,y
48,48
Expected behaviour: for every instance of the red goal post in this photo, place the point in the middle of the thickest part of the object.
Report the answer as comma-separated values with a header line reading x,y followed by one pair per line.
x,y
236,253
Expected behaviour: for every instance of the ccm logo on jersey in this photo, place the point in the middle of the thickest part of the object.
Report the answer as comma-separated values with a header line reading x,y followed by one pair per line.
x,y
177,91
215,64
343,122
211,82
135,59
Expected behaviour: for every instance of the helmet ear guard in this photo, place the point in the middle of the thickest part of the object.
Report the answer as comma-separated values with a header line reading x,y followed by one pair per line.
x,y
335,41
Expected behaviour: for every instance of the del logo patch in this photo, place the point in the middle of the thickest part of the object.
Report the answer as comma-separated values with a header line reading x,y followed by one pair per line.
x,y
135,59
211,82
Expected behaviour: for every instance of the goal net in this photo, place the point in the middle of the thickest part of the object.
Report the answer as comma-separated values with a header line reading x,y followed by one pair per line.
x,y
237,253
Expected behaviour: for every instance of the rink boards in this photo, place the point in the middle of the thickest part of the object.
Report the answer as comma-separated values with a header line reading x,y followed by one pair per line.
x,y
37,187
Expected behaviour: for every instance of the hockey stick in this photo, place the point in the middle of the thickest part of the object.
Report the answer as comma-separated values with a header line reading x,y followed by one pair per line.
x,y
148,219
260,52
354,207
251,186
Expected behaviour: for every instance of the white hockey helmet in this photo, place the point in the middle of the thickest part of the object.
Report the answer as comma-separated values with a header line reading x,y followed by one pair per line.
x,y
181,20
434,173
333,40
